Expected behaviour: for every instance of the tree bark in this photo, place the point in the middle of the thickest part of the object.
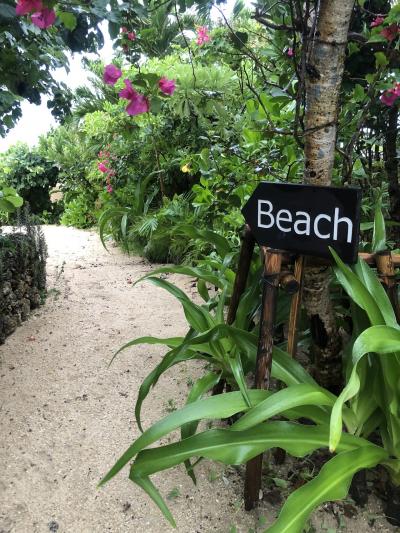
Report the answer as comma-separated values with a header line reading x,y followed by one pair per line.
x,y
323,79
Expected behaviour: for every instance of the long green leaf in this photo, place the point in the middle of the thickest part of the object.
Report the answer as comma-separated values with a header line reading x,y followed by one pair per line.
x,y
332,483
200,387
379,234
357,291
171,342
237,447
293,396
380,339
213,408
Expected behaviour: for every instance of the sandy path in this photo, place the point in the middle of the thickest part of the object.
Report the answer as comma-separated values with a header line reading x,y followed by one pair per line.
x,y
65,417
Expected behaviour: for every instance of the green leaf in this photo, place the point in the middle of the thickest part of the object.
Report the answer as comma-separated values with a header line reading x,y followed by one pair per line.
x,y
68,19
357,291
237,447
293,396
380,339
7,11
201,387
380,59
332,483
213,408
379,235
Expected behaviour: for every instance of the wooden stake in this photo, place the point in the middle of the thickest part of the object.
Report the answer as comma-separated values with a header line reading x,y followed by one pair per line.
x,y
385,267
295,307
272,268
246,253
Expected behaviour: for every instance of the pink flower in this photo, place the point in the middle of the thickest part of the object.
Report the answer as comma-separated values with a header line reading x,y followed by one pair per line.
x,y
109,189
111,74
124,29
390,32
389,97
167,86
102,167
24,7
138,103
290,52
131,35
202,35
44,18
378,21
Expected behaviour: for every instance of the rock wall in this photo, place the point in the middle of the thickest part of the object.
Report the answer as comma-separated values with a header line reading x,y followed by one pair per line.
x,y
22,277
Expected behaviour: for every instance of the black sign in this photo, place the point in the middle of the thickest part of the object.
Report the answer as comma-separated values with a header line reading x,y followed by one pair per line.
x,y
306,219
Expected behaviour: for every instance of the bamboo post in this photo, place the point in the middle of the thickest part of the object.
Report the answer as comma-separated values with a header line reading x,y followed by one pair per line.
x,y
295,307
272,269
385,267
245,255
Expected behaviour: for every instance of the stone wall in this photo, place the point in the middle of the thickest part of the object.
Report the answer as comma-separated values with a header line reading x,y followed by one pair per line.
x,y
22,276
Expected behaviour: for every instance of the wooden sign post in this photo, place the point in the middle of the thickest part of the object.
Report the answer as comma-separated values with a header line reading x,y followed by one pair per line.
x,y
290,218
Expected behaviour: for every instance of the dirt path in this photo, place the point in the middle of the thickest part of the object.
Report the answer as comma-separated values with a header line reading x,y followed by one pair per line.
x,y
65,417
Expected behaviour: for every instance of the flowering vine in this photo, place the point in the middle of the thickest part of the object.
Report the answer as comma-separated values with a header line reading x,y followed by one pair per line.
x,y
41,16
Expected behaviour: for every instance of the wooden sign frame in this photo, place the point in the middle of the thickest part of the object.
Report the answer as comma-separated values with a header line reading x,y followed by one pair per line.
x,y
275,277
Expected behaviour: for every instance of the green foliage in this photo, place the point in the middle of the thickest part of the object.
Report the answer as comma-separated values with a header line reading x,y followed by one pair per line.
x,y
31,175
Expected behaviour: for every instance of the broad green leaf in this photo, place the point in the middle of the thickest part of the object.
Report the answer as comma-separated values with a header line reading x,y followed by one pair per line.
x,y
357,291
332,483
379,234
213,408
237,447
379,339
288,398
200,387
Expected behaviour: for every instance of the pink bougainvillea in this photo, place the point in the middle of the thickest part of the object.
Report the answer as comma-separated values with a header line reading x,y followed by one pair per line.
x,y
390,32
111,74
24,7
124,29
390,95
167,86
138,103
131,35
377,21
202,35
102,167
290,52
44,18
109,189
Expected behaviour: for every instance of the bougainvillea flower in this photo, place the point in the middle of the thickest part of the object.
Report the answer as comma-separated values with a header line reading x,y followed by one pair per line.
x,y
24,7
129,92
290,52
167,86
202,35
102,167
111,74
138,103
124,29
389,97
109,189
131,35
44,18
390,32
377,22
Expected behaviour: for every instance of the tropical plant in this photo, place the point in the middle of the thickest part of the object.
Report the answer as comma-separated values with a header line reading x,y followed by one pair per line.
x,y
253,433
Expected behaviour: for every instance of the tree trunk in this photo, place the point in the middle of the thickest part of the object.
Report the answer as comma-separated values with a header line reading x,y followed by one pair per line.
x,y
392,171
324,72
